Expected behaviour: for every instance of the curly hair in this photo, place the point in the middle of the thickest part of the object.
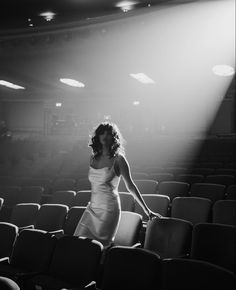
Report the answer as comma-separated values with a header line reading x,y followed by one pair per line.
x,y
117,139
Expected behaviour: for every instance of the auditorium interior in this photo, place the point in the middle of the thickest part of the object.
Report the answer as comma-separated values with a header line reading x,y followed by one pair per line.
x,y
164,73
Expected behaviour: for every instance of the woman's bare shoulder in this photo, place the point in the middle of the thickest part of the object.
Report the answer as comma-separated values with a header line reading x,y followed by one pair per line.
x,y
121,158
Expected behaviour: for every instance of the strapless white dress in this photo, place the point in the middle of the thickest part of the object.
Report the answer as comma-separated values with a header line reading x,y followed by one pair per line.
x,y
100,219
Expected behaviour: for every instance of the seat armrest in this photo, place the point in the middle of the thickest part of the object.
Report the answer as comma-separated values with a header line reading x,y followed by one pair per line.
x,y
26,227
90,286
57,233
4,260
137,245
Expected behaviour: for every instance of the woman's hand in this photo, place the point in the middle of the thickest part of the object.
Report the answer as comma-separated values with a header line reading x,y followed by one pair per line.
x,y
152,215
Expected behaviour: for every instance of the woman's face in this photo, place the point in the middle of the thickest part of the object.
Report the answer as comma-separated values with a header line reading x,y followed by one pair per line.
x,y
105,138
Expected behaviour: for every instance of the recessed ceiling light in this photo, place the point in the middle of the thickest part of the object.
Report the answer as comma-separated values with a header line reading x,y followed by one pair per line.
x,y
141,77
223,70
136,103
72,83
11,85
125,6
58,104
48,15
107,117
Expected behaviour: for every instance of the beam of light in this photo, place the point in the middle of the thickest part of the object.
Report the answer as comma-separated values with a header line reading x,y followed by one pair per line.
x,y
142,78
11,85
72,83
173,47
223,70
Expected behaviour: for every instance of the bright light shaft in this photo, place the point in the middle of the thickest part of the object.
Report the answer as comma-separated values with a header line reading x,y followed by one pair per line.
x,y
72,83
11,85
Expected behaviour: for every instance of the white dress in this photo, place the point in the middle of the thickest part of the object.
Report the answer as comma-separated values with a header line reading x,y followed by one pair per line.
x,y
101,217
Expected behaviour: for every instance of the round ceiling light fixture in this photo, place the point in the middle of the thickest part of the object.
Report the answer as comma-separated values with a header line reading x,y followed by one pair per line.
x,y
223,70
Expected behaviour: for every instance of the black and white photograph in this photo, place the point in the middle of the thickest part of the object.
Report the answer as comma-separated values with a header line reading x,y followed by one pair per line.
x,y
117,145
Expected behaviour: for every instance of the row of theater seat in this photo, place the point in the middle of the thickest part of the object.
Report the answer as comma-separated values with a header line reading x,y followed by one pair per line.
x,y
196,208
21,194
58,217
75,181
172,250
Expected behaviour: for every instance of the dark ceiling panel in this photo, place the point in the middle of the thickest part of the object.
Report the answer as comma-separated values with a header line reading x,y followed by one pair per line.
x,y
15,14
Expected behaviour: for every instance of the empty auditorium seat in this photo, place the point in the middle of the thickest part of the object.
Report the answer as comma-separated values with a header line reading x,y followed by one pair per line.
x,y
32,253
176,170
146,186
173,189
131,268
10,194
24,214
156,202
82,198
72,219
225,171
128,229
190,178
226,180
51,217
159,177
30,194
201,171
224,212
215,243
186,274
139,175
63,197
168,237
8,234
63,184
214,165
42,182
74,263
211,191
193,209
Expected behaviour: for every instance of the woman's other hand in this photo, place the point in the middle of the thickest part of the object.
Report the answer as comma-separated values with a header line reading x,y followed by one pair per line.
x,y
152,215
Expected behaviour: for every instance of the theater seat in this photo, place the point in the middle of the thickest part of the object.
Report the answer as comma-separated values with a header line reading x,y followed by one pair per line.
x,y
8,234
74,264
224,212
168,237
215,243
186,274
131,268
31,254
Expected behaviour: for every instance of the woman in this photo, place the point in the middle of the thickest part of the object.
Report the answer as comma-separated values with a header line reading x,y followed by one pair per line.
x,y
107,164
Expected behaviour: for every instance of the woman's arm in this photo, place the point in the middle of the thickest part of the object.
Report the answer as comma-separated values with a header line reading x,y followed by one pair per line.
x,y
124,170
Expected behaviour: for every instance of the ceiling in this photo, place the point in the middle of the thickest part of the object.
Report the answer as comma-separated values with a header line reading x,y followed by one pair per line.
x,y
15,14
110,46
